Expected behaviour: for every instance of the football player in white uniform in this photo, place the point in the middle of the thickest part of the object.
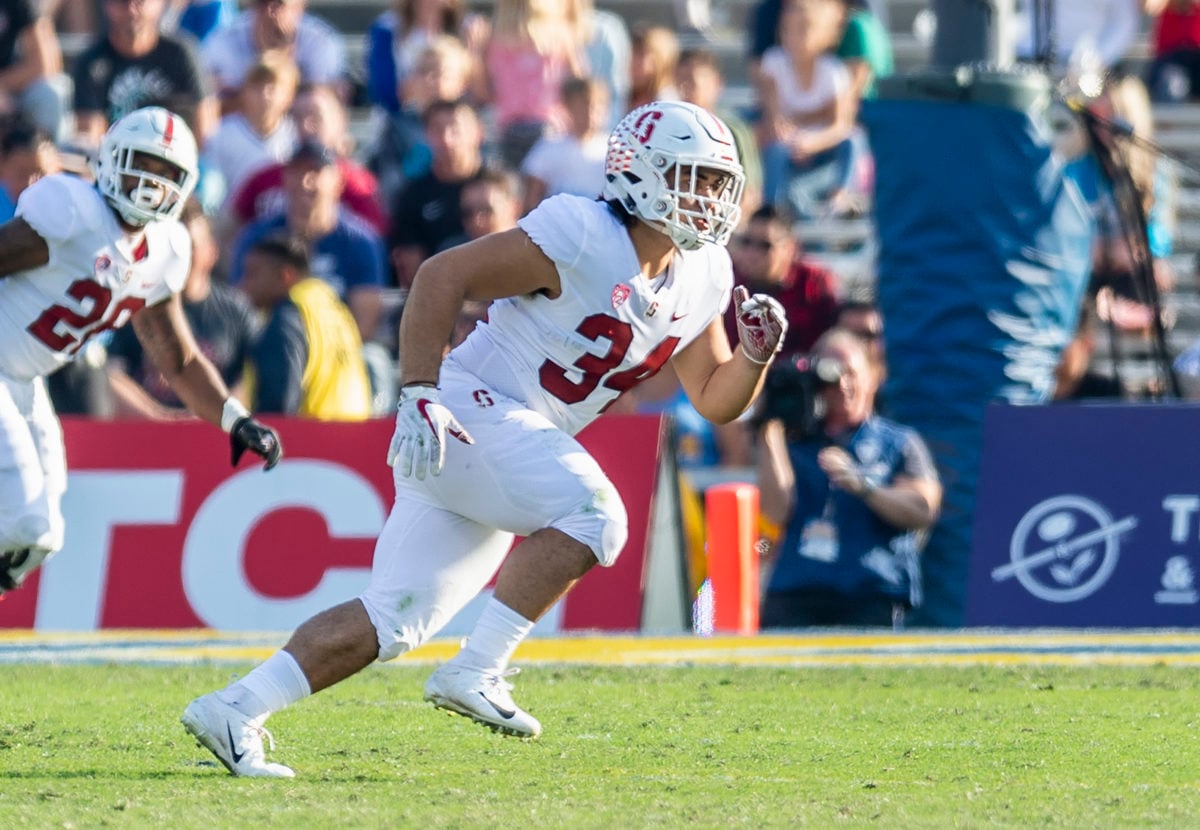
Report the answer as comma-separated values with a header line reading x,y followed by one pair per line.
x,y
589,298
76,260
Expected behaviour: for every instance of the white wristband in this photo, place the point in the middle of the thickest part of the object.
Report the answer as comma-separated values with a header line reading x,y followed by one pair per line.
x,y
232,412
753,360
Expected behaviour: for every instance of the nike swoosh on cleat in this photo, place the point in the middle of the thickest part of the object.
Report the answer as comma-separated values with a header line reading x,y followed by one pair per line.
x,y
500,710
237,756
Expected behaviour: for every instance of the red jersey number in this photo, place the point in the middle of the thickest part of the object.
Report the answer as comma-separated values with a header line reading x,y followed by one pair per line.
x,y
98,317
594,367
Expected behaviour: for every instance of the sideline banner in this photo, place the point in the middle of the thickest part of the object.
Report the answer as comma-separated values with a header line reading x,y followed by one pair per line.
x,y
983,260
163,533
1088,515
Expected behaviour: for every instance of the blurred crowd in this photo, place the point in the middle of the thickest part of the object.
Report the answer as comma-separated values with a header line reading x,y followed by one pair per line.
x,y
466,119
446,125
474,116
347,168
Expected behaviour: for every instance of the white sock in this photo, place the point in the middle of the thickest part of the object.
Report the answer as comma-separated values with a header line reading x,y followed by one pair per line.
x,y
495,637
277,683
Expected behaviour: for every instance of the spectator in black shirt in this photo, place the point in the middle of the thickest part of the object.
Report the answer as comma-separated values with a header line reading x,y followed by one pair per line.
x,y
134,66
427,213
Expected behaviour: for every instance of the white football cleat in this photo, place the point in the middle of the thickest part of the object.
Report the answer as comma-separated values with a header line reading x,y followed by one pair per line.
x,y
482,696
232,737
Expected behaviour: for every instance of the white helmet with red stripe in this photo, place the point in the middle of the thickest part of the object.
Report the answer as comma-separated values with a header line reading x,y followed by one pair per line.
x,y
654,159
137,194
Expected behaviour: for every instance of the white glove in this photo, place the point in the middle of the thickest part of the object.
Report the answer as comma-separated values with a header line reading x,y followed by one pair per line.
x,y
761,324
422,423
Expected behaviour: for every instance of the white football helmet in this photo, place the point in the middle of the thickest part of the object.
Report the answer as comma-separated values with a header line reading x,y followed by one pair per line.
x,y
138,195
654,157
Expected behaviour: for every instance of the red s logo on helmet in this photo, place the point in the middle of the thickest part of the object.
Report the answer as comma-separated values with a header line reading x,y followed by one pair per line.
x,y
643,128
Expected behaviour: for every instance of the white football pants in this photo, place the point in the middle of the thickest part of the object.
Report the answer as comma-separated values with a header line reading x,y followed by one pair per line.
x,y
447,535
33,468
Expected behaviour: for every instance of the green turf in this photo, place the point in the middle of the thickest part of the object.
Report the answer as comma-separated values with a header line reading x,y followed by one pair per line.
x,y
92,746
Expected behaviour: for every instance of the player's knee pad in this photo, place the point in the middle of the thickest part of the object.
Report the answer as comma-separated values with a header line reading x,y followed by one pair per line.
x,y
401,623
602,525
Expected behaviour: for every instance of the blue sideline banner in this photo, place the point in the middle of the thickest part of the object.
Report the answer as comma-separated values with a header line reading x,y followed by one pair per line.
x,y
984,253
1087,515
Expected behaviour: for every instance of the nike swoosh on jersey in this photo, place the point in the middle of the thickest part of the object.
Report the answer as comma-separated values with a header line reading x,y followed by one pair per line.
x,y
675,317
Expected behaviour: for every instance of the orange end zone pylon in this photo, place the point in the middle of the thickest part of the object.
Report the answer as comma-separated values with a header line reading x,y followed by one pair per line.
x,y
731,518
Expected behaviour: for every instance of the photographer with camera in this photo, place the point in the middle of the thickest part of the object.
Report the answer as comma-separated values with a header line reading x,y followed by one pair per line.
x,y
851,493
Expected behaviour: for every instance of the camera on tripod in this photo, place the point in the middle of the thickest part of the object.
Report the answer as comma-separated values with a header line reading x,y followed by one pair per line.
x,y
792,393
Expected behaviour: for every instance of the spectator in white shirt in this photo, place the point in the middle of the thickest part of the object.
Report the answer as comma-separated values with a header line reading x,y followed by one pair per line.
x,y
572,163
261,133
314,45
809,108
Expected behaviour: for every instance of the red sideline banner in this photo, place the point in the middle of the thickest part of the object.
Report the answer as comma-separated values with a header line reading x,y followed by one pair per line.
x,y
163,533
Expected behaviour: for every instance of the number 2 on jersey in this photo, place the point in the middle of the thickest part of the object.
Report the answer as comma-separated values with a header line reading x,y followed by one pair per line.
x,y
96,319
594,367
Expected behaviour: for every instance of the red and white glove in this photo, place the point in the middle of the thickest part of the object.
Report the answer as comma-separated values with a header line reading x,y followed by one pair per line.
x,y
762,325
422,424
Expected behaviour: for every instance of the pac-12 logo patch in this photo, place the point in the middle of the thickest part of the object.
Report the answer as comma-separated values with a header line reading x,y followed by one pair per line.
x,y
620,295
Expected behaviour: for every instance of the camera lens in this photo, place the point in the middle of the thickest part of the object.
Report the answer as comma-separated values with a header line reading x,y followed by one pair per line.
x,y
828,370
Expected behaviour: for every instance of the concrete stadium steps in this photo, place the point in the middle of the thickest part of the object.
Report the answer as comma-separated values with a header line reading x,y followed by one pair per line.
x,y
1178,131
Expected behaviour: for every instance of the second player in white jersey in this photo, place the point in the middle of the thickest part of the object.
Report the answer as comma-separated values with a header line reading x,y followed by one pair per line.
x,y
589,299
95,279
76,260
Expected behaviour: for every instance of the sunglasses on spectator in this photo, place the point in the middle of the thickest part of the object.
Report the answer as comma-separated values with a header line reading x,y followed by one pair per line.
x,y
756,243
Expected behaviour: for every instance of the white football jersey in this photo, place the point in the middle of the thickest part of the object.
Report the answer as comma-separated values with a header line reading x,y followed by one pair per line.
x,y
95,280
570,357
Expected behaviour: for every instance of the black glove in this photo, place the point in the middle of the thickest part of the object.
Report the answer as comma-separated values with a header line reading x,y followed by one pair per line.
x,y
260,439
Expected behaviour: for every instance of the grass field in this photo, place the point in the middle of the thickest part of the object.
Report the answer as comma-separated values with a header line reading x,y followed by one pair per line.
x,y
624,747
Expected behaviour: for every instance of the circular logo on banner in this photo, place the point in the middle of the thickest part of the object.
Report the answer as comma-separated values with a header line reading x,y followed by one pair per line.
x,y
1064,549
